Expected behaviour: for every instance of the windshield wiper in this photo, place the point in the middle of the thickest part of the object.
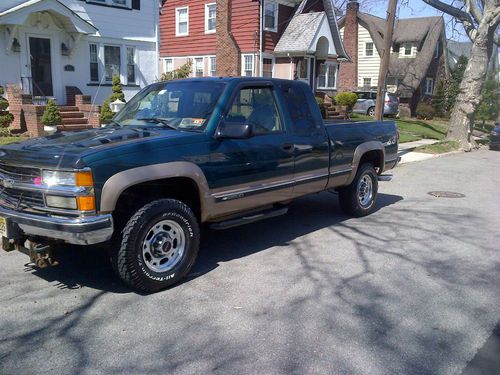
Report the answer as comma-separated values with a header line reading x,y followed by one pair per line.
x,y
115,123
158,120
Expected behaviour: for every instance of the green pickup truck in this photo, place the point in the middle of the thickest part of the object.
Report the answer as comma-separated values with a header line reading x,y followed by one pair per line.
x,y
219,152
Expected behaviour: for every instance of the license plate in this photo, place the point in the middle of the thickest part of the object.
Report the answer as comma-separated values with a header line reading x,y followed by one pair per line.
x,y
3,227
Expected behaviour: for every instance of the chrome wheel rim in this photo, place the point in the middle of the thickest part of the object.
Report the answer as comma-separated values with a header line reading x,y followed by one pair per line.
x,y
163,246
365,190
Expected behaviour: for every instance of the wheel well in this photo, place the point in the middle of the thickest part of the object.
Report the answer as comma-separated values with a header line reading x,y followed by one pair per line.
x,y
181,188
374,157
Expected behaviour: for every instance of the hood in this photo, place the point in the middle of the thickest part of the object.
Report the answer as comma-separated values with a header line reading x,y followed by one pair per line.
x,y
65,150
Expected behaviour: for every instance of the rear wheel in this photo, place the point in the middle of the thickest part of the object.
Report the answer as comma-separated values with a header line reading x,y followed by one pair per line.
x,y
371,111
159,245
358,199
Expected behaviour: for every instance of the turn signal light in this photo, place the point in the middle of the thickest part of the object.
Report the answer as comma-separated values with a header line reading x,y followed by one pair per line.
x,y
86,203
84,178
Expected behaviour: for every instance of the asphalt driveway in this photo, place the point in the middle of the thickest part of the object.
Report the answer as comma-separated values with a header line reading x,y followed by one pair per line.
x,y
411,289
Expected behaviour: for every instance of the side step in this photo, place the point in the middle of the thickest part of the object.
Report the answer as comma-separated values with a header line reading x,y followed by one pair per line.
x,y
385,177
249,219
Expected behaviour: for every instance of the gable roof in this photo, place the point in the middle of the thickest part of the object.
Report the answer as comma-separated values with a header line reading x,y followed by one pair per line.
x,y
303,27
425,32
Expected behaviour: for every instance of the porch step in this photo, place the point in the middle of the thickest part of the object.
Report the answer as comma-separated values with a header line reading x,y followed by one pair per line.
x,y
66,108
72,115
73,121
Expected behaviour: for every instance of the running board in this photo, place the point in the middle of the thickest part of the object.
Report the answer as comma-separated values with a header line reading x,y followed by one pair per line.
x,y
385,177
249,219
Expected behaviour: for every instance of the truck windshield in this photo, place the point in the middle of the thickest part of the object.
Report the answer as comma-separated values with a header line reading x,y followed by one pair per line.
x,y
183,105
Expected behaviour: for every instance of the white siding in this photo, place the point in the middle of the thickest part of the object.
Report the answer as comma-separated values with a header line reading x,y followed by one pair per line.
x,y
119,27
368,66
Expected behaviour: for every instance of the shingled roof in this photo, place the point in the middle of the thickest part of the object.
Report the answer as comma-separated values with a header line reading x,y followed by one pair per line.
x,y
424,32
303,27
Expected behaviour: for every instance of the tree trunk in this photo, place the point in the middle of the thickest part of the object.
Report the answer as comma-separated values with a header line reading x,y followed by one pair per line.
x,y
469,97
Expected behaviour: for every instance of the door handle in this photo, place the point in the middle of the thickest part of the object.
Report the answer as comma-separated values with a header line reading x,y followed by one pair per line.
x,y
287,147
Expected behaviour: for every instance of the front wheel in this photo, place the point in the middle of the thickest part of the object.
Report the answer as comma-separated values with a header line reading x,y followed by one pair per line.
x,y
371,112
358,199
159,245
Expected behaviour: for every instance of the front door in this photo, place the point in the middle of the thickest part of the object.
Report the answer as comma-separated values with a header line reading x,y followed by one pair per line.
x,y
41,66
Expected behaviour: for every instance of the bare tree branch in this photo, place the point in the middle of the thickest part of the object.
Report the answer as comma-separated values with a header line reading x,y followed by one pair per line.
x,y
476,13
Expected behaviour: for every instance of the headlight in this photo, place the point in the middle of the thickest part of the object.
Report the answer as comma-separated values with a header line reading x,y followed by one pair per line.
x,y
59,178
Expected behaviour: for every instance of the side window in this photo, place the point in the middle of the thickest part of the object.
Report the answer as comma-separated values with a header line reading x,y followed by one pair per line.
x,y
296,101
256,106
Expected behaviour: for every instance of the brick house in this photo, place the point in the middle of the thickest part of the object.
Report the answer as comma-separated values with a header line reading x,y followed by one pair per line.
x,y
418,54
292,39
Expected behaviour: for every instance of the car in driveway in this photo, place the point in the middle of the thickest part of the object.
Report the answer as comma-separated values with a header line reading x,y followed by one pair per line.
x,y
366,104
495,137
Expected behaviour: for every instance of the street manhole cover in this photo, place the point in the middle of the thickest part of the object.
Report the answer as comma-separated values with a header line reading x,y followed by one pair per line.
x,y
446,194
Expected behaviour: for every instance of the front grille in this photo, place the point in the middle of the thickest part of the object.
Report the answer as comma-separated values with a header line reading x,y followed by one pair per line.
x,y
21,198
25,175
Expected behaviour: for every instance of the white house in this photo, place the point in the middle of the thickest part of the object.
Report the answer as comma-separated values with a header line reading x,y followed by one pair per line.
x,y
56,48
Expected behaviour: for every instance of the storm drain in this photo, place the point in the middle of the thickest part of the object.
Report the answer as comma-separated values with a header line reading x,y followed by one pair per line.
x,y
446,194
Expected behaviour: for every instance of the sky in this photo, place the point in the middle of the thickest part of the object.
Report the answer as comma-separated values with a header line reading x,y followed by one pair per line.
x,y
415,8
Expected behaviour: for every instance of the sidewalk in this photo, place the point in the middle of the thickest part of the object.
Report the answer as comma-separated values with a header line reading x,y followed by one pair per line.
x,y
407,155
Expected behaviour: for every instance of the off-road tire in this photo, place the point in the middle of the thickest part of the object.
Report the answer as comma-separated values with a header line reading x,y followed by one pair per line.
x,y
129,262
349,196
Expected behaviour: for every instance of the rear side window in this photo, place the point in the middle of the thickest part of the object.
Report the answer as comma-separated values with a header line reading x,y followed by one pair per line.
x,y
303,122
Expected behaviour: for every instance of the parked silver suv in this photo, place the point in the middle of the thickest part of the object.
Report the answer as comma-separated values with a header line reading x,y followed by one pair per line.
x,y
366,103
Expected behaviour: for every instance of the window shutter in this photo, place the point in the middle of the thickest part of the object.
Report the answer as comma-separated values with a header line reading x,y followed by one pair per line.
x,y
136,4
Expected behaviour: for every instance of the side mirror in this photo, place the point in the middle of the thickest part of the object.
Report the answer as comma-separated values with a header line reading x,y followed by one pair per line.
x,y
234,130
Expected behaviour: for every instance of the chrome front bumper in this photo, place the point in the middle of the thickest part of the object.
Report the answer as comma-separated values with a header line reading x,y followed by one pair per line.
x,y
75,230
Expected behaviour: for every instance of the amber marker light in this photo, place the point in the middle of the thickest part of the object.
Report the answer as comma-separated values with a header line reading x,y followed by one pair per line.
x,y
86,203
84,179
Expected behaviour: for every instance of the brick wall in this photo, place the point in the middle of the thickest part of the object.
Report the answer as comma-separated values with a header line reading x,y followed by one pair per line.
x,y
348,73
90,111
228,53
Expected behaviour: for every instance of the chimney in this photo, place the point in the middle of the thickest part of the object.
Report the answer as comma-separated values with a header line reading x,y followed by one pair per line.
x,y
228,52
348,75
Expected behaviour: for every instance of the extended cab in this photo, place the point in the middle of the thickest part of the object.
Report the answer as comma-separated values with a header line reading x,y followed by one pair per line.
x,y
215,151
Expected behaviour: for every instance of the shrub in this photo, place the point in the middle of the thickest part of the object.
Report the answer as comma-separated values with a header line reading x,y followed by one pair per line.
x,y
182,72
116,93
488,109
347,99
5,117
425,111
51,115
321,105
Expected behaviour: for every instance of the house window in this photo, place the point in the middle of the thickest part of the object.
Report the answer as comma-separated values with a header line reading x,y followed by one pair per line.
x,y
302,71
130,65
198,67
121,3
326,78
210,18
213,66
271,15
429,86
367,82
169,65
181,21
369,49
267,67
117,3
248,65
111,62
94,65
407,49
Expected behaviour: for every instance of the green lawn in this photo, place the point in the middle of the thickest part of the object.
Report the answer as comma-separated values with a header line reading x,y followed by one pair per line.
x,y
438,148
7,140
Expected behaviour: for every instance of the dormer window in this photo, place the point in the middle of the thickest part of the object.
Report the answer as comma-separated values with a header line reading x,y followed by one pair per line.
x,y
271,15
407,49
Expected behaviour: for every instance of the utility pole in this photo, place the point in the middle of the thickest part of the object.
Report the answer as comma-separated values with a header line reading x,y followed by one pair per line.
x,y
386,56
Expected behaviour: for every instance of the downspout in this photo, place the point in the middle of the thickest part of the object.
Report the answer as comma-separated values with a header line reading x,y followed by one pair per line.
x,y
291,66
157,41
261,25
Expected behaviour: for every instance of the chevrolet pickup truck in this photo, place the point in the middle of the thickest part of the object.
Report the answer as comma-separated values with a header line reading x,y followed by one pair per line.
x,y
219,152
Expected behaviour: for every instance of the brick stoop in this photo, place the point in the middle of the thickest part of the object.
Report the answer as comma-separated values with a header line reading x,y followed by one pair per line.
x,y
336,112
73,119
